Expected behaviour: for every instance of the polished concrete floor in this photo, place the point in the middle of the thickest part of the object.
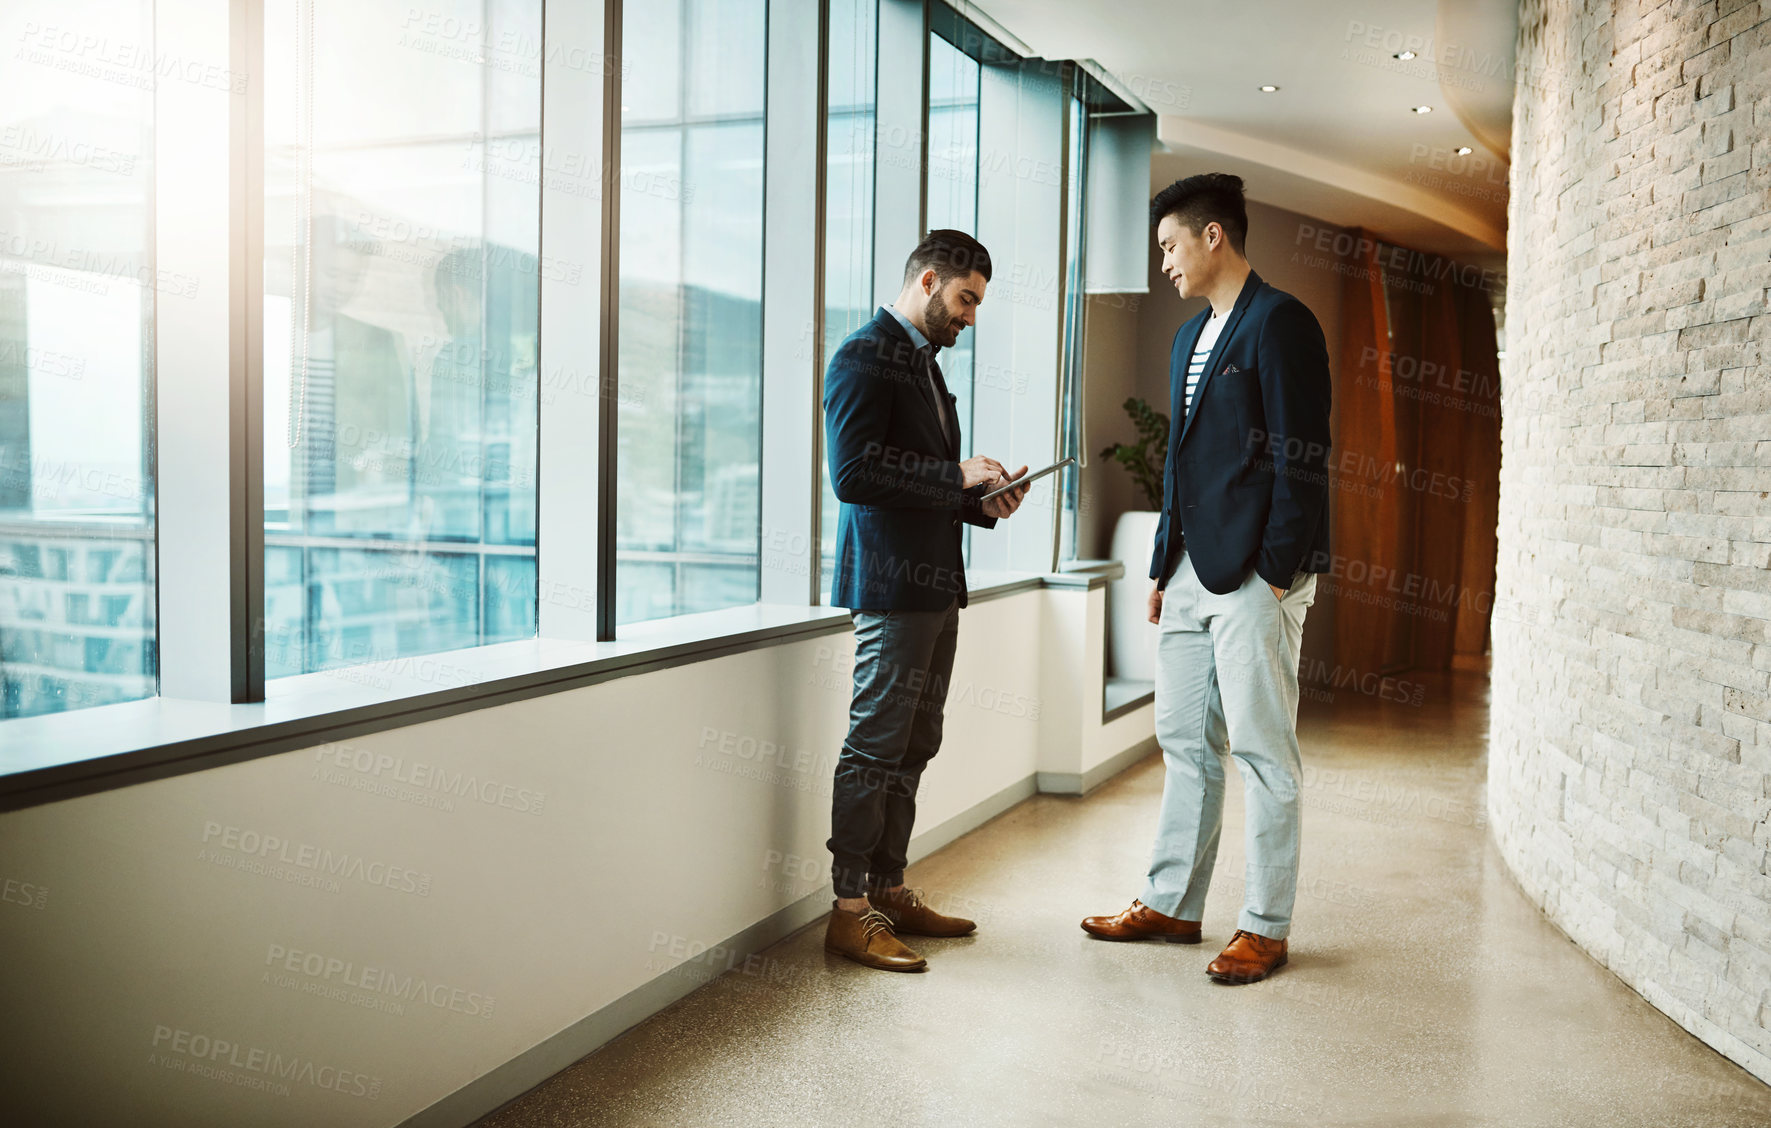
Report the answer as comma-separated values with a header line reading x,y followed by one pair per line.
x,y
1423,988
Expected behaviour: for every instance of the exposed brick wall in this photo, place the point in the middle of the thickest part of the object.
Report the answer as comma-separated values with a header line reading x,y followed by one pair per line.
x,y
1631,733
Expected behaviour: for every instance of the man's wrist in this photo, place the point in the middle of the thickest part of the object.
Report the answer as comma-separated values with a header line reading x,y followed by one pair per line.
x,y
1266,573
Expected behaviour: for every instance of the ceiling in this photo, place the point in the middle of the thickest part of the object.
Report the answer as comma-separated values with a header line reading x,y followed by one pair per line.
x,y
1339,140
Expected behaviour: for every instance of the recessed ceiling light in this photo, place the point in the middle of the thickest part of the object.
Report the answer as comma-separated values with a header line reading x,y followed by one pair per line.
x,y
1463,150
1423,109
1269,88
1404,55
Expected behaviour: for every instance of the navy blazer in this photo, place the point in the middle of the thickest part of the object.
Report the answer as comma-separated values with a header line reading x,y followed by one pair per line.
x,y
1246,481
897,476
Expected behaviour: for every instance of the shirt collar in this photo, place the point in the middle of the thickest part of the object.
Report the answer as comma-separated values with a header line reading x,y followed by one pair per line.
x,y
916,337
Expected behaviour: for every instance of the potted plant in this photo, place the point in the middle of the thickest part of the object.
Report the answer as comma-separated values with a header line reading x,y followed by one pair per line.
x,y
1131,636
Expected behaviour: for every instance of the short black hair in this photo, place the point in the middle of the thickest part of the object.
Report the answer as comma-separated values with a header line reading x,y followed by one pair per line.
x,y
1206,198
950,254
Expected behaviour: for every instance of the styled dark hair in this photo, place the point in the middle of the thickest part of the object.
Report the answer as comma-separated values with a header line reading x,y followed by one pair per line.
x,y
1206,198
950,254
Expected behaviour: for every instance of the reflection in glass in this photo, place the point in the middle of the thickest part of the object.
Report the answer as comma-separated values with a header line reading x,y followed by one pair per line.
x,y
849,301
402,284
953,188
690,346
1075,311
953,198
77,292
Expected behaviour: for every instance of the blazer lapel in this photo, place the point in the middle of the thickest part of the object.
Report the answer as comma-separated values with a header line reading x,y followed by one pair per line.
x,y
920,376
1177,389
1249,286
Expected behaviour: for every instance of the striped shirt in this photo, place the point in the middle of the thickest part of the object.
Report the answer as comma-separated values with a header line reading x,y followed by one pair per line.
x,y
1208,338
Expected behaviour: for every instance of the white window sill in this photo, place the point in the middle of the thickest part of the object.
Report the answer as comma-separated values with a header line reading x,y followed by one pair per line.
x,y
60,755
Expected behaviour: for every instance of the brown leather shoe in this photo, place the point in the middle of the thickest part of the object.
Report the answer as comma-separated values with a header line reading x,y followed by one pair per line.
x,y
1141,922
1248,957
867,939
911,917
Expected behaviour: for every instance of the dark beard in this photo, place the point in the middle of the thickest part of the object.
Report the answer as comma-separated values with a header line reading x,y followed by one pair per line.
x,y
941,326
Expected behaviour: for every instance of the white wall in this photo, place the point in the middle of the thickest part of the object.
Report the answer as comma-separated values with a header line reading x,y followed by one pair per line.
x,y
625,825
1630,764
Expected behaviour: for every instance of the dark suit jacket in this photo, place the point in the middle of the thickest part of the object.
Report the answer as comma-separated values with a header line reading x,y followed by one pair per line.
x,y
897,475
1246,482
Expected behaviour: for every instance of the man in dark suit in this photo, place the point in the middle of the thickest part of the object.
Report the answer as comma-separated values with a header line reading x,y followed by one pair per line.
x,y
1243,532
892,436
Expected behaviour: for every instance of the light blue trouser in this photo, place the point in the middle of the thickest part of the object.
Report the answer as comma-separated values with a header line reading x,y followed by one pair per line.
x,y
1227,682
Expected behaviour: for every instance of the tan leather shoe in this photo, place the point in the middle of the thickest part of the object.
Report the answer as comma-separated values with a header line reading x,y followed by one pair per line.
x,y
911,917
867,939
1141,922
1248,957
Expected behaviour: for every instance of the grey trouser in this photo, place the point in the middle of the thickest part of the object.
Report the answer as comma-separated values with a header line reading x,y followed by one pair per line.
x,y
903,660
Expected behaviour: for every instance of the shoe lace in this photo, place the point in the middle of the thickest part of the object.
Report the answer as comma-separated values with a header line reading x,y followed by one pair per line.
x,y
904,898
873,922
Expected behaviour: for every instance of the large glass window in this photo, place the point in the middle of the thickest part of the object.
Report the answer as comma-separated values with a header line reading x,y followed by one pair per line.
x,y
690,344
77,292
849,301
401,292
402,284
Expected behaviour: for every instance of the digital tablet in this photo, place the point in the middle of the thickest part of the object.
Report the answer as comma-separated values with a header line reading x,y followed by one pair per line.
x,y
1019,482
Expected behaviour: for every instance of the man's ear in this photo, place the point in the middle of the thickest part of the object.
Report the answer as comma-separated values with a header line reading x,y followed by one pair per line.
x,y
930,281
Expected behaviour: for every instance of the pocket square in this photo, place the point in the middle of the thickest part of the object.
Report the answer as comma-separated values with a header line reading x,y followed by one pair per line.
x,y
1229,368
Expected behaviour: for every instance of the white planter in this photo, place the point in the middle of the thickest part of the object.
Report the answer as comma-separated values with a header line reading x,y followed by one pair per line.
x,y
1131,636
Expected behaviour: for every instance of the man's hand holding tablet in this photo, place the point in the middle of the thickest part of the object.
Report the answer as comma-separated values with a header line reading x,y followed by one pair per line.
x,y
1008,491
1004,496
1020,480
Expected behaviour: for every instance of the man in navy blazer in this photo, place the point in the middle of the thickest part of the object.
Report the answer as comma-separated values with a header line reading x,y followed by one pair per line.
x,y
1243,533
893,442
